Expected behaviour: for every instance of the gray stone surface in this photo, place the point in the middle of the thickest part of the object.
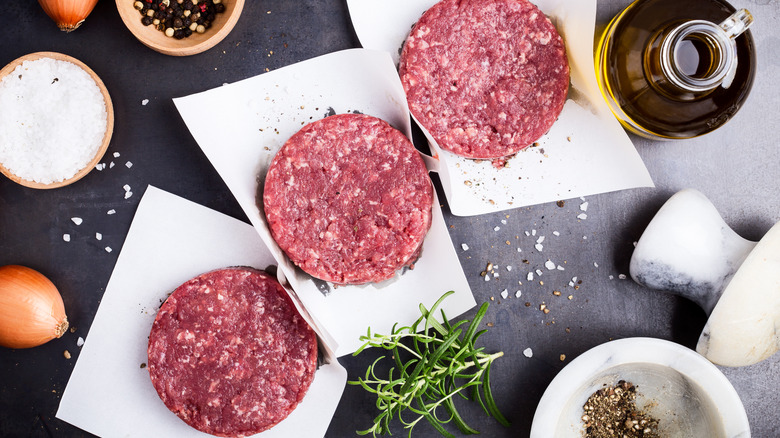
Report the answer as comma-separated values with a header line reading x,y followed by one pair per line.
x,y
737,167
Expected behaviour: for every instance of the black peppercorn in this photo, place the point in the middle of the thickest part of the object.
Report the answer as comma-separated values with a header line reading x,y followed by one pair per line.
x,y
180,18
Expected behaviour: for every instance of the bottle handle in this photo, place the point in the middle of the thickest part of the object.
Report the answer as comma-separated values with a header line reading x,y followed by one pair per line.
x,y
737,23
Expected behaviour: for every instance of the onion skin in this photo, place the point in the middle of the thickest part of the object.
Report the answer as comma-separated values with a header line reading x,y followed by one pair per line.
x,y
68,14
31,308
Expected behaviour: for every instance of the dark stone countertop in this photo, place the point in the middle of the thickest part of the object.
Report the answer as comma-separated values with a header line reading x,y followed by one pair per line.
x,y
737,167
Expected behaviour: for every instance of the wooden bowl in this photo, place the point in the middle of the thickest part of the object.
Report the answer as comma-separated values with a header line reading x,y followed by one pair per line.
x,y
109,120
194,44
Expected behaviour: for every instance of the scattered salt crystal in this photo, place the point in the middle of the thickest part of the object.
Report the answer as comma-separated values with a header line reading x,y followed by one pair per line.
x,y
584,206
495,275
540,239
126,187
622,276
519,250
487,278
584,237
108,249
571,284
77,220
611,277
496,228
98,236
58,120
116,154
100,166
582,198
66,237
530,276
111,165
595,265
528,352
504,294
555,233
80,341
503,221
527,233
464,246
539,272
128,195
582,216
560,268
509,268
574,279
635,244
112,211
539,247
533,232
518,293
549,264
129,164
144,102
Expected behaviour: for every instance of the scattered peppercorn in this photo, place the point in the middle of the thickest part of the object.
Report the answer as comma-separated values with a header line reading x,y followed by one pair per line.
x,y
179,18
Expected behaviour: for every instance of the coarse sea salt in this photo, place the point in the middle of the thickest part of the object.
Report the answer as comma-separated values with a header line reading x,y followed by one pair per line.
x,y
52,120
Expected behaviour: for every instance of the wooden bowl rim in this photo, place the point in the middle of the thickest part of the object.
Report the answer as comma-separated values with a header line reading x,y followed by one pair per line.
x,y
197,43
109,119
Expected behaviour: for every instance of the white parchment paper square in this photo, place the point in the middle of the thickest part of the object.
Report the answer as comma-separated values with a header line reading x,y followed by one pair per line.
x,y
257,115
586,152
170,241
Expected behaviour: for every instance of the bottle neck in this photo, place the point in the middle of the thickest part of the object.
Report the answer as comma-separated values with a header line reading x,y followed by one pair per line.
x,y
697,56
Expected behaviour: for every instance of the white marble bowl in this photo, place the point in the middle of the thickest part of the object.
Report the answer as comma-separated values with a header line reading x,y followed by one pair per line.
x,y
688,395
687,249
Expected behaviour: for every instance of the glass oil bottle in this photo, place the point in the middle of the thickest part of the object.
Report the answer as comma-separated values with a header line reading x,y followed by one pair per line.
x,y
674,69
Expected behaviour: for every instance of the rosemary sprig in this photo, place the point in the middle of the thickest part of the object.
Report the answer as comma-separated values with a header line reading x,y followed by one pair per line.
x,y
434,362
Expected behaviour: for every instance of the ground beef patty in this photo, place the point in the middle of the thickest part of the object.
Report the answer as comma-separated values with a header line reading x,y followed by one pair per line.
x,y
229,353
485,77
348,199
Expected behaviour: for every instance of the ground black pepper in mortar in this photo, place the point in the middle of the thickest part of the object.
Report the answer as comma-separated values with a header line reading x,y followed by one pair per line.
x,y
612,413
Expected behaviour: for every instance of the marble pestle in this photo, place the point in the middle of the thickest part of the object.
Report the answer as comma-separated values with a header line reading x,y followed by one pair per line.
x,y
687,249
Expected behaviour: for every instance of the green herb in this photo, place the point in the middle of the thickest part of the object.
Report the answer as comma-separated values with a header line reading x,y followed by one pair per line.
x,y
434,363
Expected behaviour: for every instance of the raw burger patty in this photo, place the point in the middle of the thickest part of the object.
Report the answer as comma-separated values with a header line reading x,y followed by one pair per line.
x,y
486,78
348,199
229,353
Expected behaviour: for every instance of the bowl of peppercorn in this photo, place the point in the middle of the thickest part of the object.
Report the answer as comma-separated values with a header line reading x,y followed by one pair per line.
x,y
180,27
640,388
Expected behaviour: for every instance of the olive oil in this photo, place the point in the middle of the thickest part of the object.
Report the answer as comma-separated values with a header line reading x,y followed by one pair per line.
x,y
673,69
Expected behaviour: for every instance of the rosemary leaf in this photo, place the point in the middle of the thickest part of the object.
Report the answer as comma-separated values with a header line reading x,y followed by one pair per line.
x,y
434,362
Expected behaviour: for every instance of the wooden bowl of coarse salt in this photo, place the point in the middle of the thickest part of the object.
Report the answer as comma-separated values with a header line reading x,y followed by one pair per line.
x,y
56,120
197,41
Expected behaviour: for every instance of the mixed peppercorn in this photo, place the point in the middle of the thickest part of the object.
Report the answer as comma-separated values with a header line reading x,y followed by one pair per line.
x,y
179,18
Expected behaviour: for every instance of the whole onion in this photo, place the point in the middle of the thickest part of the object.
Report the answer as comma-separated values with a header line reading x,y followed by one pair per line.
x,y
31,308
68,14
